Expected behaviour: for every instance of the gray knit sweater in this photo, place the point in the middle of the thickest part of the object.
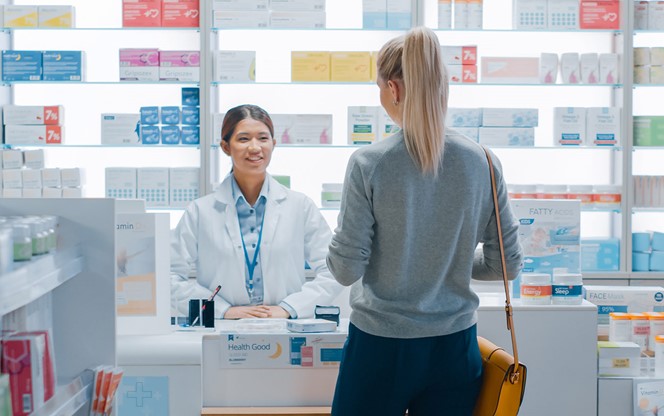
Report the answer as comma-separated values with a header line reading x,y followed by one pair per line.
x,y
408,243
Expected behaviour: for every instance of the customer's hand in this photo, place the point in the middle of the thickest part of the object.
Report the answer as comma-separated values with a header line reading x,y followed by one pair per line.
x,y
256,311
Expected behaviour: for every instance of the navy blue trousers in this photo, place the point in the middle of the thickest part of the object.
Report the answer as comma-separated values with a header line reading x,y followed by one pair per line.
x,y
426,376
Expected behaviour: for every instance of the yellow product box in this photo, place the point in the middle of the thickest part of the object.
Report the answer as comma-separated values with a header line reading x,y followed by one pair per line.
x,y
373,70
351,66
20,16
56,16
310,66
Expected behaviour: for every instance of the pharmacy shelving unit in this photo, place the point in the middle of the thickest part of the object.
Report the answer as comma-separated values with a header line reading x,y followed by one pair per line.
x,y
71,291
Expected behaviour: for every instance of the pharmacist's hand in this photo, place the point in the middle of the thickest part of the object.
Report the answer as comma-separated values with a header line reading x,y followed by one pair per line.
x,y
278,312
256,311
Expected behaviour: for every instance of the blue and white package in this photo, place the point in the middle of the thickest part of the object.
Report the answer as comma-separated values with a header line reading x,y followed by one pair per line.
x,y
657,261
599,255
191,96
170,135
641,241
191,135
170,115
149,116
150,134
640,261
21,65
62,65
191,116
657,241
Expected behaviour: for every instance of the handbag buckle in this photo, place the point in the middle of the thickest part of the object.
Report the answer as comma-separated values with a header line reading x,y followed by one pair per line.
x,y
514,377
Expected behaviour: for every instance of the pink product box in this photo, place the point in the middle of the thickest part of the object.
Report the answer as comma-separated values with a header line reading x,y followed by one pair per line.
x,y
180,13
510,70
179,58
139,57
141,13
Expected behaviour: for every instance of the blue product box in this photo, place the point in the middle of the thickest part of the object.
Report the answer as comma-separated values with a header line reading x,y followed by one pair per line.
x,y
191,135
149,116
600,254
397,20
21,65
640,241
170,115
170,135
191,96
657,261
640,261
150,134
62,65
658,241
191,116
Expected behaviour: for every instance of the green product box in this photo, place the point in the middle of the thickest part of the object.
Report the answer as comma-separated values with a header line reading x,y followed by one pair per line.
x,y
648,130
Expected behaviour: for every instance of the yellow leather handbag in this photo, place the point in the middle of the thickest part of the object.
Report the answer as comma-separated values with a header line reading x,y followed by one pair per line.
x,y
503,377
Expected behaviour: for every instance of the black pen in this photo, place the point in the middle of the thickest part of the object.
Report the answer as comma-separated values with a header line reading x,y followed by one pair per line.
x,y
205,304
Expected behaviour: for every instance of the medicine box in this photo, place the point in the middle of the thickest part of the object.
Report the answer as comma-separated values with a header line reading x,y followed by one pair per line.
x,y
603,126
149,115
350,66
72,192
656,261
589,66
234,66
51,178
657,241
180,13
71,177
507,136
191,116
120,183
63,65
362,124
310,66
21,65
241,19
624,299
27,378
12,159
170,134
170,115
21,16
510,70
31,178
191,135
179,66
600,254
599,14
141,13
562,14
117,128
399,14
152,186
509,117
247,5
641,56
548,72
459,55
183,186
648,130
33,114
150,134
464,117
297,20
303,128
529,14
569,126
570,68
640,15
139,64
297,5
609,71
618,359
40,135
462,74
191,96
51,192
31,193
34,158
12,178
657,74
374,14
56,16
655,20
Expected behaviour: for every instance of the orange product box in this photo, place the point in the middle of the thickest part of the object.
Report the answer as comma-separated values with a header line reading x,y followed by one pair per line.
x,y
462,74
599,14
459,55
180,13
141,13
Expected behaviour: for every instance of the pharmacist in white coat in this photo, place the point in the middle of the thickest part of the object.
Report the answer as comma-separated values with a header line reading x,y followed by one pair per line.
x,y
252,236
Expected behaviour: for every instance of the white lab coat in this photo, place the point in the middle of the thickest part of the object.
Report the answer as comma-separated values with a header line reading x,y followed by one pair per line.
x,y
208,237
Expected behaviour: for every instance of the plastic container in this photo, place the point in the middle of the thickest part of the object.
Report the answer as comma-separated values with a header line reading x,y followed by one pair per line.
x,y
330,196
567,289
607,196
620,327
535,289
659,356
656,320
51,222
552,191
6,249
640,329
22,241
522,191
583,193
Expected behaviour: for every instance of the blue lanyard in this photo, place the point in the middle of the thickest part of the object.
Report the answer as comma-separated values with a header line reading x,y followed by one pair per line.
x,y
251,266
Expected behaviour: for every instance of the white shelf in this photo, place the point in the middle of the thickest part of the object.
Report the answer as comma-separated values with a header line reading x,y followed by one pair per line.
x,y
70,398
647,275
38,277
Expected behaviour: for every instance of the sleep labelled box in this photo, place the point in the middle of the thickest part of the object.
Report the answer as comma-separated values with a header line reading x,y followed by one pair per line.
x,y
21,65
624,299
63,65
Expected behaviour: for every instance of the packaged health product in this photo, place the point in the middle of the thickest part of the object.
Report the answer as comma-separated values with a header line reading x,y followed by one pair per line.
x,y
63,66
535,288
33,114
567,289
141,13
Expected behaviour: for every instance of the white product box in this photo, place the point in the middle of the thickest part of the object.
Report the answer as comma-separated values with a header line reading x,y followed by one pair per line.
x,y
12,159
642,74
31,193
12,193
507,136
657,74
139,64
399,14
548,68
510,117
31,178
569,68
386,126
51,193
563,14
569,126
462,74
51,178
657,55
120,128
475,14
459,55
72,192
472,133
179,66
461,14
152,185
183,186
17,134
297,20
641,15
656,15
529,14
247,5
362,124
235,66
33,114
628,299
241,19
71,177
56,16
549,232
618,359
33,159
297,5
120,183
444,14
303,128
12,178
609,70
21,16
603,126
589,68
374,14
464,117
641,56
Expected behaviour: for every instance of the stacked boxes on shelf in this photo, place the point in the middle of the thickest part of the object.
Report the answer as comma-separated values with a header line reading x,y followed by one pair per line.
x,y
648,251
461,63
368,124
466,14
649,65
43,65
323,66
160,13
159,187
496,126
387,14
595,126
38,16
33,125
566,14
648,130
282,14
648,15
152,65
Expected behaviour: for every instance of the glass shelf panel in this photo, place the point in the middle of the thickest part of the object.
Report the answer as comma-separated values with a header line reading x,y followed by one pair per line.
x,y
127,29
373,84
100,82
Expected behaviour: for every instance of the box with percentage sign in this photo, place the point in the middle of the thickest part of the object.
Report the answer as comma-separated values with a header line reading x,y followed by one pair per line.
x,y
33,114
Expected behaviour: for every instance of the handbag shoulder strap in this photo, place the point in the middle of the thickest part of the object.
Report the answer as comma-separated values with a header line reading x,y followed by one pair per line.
x,y
514,377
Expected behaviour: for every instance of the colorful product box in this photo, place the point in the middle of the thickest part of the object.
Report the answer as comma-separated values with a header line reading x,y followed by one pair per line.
x,y
21,65
240,19
22,358
600,255
462,74
303,128
620,359
603,126
191,135
374,14
180,13
63,65
350,66
459,55
234,66
362,125
183,186
399,14
170,115
630,299
141,13
297,20
191,116
33,114
179,66
510,70
48,363
191,96
21,16
56,16
569,126
310,66
40,135
150,134
139,64
599,14
648,130
149,115
170,134
120,129
120,183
